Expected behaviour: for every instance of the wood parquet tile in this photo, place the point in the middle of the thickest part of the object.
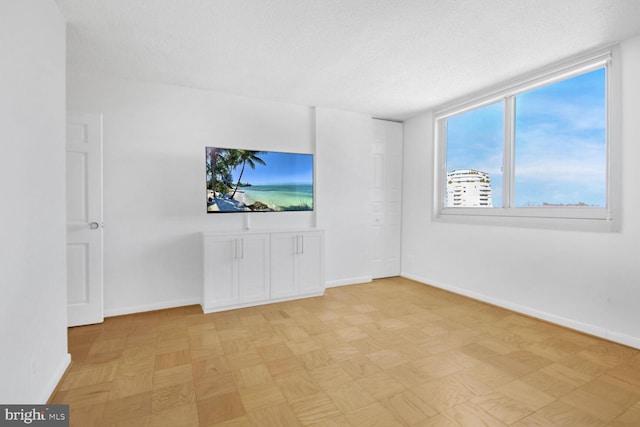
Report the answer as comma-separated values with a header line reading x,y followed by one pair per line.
x,y
388,353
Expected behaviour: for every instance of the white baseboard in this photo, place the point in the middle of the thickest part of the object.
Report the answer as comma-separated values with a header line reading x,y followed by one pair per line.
x,y
349,281
120,311
151,307
624,339
50,387
587,328
262,303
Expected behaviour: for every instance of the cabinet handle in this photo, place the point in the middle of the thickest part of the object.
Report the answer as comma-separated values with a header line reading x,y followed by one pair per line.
x,y
239,252
299,244
238,249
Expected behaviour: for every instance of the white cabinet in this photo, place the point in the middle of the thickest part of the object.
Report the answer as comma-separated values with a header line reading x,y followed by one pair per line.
x,y
220,271
296,264
284,251
245,269
236,270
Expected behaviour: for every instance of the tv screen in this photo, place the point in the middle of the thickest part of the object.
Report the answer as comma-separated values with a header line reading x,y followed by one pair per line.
x,y
258,181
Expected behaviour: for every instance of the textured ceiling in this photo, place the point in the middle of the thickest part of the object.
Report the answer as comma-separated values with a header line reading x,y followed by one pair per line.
x,y
385,58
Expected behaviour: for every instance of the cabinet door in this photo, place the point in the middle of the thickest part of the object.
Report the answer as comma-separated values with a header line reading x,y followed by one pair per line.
x,y
310,262
253,268
220,282
284,282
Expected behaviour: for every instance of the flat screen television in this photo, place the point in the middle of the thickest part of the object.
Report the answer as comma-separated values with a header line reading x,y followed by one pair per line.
x,y
241,180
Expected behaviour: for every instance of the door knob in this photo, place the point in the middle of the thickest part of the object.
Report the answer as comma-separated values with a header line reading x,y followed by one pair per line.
x,y
94,225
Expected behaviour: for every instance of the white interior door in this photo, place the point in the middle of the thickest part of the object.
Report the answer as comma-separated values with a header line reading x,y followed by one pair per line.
x,y
386,195
84,219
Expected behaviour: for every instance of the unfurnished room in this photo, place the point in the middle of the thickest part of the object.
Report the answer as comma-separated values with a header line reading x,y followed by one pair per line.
x,y
320,213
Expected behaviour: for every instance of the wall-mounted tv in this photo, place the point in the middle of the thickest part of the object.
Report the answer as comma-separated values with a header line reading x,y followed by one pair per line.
x,y
258,181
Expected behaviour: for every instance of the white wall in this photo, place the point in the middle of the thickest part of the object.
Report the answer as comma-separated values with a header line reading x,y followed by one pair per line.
x,y
33,312
588,281
154,180
344,144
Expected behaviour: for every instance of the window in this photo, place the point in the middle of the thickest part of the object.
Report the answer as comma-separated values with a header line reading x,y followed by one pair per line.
x,y
538,148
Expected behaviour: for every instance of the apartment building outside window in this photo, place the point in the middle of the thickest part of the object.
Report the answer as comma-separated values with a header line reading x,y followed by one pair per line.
x,y
468,188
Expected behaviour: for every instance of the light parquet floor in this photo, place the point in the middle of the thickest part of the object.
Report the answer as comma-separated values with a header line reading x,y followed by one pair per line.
x,y
388,353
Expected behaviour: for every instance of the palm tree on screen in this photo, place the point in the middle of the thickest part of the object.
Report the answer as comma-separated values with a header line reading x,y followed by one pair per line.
x,y
228,160
247,157
213,154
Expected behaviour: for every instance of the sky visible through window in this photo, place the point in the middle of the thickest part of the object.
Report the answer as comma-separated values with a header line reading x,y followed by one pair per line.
x,y
474,141
560,143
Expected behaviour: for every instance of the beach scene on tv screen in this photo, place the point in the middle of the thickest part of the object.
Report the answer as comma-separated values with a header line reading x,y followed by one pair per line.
x,y
258,181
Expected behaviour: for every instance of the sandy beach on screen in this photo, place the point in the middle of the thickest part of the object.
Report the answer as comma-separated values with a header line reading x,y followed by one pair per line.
x,y
227,204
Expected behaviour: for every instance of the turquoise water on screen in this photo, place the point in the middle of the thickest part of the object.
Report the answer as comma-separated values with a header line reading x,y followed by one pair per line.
x,y
280,197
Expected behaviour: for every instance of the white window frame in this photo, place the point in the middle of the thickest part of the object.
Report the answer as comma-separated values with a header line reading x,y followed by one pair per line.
x,y
574,218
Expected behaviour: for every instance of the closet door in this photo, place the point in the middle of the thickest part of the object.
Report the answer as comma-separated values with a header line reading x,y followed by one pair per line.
x,y
386,204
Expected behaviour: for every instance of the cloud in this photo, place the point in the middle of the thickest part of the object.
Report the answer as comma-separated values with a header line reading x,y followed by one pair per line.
x,y
560,147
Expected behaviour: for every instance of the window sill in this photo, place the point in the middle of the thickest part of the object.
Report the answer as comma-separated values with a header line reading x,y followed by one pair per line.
x,y
591,220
